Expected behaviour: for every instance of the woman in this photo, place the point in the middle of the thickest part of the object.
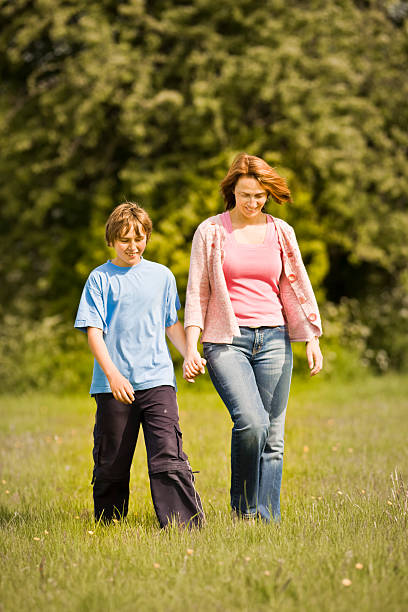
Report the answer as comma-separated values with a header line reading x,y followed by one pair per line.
x,y
249,294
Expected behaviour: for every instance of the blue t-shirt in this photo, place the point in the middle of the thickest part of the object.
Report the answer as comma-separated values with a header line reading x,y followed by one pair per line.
x,y
132,306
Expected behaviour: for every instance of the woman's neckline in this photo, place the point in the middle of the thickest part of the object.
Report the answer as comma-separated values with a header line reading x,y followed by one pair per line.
x,y
247,244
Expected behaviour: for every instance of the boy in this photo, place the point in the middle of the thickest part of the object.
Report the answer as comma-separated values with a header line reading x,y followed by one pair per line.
x,y
127,308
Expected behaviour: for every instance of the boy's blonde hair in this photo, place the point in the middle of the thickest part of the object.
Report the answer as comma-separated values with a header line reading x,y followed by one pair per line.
x,y
123,218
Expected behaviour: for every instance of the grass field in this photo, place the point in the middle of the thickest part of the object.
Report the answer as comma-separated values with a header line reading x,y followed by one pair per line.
x,y
342,543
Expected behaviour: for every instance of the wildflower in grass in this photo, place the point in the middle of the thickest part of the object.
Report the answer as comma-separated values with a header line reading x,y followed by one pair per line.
x,y
77,517
91,532
7,492
37,539
46,532
156,565
389,502
4,481
267,573
305,449
190,551
346,582
363,491
359,566
339,492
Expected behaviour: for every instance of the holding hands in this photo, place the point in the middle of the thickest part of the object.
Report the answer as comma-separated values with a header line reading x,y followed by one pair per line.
x,y
193,365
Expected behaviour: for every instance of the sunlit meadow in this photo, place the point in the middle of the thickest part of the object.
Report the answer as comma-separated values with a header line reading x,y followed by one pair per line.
x,y
342,543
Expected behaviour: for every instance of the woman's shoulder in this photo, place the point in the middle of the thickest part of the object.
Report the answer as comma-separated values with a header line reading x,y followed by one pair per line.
x,y
210,224
282,225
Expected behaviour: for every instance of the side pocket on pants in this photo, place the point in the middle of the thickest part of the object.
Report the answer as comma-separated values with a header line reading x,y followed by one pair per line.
x,y
179,436
96,453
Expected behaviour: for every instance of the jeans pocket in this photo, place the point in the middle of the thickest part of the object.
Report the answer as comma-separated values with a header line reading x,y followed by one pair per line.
x,y
206,348
209,347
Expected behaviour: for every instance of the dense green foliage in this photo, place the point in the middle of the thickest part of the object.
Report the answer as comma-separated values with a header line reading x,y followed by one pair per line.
x,y
150,100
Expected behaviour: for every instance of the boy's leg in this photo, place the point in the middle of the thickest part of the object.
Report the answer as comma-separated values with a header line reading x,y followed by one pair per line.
x,y
171,478
115,435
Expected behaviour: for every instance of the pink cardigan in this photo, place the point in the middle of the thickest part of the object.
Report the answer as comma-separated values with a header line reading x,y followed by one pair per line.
x,y
208,305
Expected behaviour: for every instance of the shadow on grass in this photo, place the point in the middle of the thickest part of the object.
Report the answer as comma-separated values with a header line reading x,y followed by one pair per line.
x,y
53,515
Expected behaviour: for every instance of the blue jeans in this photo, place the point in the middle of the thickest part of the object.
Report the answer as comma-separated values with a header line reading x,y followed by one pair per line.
x,y
252,376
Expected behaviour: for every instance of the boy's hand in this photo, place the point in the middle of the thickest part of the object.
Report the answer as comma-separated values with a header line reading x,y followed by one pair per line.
x,y
193,365
121,388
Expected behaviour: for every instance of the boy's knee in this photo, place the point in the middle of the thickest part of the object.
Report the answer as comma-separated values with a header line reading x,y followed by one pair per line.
x,y
169,454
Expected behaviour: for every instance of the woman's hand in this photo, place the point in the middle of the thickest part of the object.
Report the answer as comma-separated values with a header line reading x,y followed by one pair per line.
x,y
314,356
193,365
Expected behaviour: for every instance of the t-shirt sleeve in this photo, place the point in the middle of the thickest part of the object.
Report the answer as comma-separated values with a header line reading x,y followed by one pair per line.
x,y
172,302
91,310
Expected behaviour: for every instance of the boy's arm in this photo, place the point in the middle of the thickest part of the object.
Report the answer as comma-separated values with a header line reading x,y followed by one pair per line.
x,y
177,337
120,386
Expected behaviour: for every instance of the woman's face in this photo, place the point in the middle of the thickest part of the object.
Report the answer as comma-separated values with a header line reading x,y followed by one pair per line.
x,y
250,196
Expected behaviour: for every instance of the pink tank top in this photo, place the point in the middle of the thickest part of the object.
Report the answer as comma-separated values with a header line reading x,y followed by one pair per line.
x,y
252,273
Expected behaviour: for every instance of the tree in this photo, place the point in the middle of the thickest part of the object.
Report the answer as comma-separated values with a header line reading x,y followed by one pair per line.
x,y
150,100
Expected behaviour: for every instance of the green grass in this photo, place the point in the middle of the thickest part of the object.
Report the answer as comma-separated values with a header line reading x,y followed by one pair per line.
x,y
344,503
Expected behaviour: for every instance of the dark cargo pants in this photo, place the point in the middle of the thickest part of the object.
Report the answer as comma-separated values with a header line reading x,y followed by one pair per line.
x,y
115,435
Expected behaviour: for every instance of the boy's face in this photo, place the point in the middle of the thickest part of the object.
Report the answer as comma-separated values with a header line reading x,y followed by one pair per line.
x,y
129,247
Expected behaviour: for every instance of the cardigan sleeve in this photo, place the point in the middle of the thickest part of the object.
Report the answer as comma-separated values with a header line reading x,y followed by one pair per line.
x,y
198,286
296,292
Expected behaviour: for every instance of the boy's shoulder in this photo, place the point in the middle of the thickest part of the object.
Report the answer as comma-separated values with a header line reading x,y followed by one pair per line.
x,y
157,268
99,270
98,274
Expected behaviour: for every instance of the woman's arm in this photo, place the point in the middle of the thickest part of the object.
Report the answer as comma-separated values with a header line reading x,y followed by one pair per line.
x,y
120,386
191,367
192,357
198,286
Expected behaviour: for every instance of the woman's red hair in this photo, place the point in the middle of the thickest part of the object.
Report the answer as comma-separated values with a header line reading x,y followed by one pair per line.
x,y
249,165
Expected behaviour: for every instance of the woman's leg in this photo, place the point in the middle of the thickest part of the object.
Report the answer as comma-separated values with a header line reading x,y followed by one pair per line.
x,y
230,369
272,365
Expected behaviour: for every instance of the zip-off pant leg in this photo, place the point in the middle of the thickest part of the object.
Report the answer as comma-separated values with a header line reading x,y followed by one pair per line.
x,y
171,479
